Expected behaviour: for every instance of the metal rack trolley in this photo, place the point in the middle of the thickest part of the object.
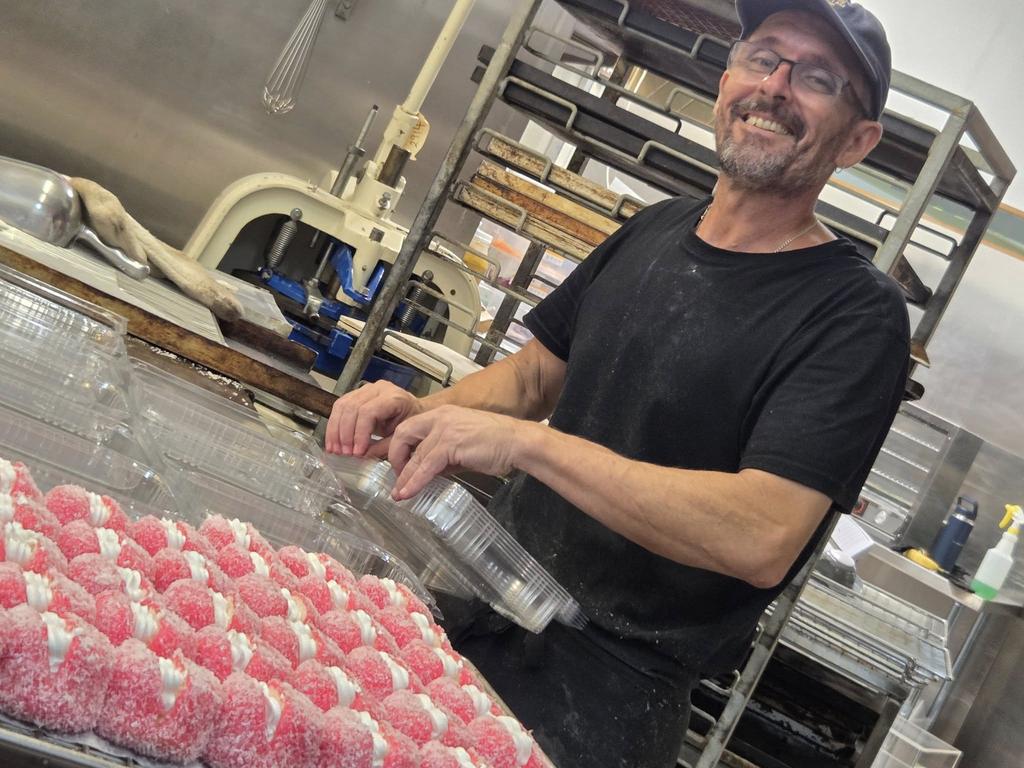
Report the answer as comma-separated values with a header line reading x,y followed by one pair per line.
x,y
960,163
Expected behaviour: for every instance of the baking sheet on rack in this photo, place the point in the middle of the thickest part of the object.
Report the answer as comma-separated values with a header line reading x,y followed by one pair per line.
x,y
904,640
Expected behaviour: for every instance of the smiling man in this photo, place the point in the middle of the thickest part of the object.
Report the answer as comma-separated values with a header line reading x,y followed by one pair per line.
x,y
718,378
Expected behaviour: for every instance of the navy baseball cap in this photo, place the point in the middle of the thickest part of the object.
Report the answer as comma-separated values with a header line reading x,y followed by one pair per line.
x,y
857,25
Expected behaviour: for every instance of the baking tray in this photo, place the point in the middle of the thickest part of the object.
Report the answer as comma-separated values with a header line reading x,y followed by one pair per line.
x,y
695,57
869,635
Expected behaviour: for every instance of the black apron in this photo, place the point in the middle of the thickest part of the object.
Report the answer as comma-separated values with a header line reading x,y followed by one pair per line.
x,y
585,705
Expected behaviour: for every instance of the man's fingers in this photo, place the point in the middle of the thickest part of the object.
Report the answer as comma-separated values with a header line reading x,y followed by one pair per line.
x,y
347,410
368,420
429,459
330,441
406,438
379,449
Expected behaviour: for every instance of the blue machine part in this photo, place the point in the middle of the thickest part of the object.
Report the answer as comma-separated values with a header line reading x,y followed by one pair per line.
x,y
339,260
333,346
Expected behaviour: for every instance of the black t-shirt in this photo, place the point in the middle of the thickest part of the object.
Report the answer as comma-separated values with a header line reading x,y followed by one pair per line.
x,y
685,355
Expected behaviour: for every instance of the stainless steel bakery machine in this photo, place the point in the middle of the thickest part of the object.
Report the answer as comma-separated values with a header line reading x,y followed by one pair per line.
x,y
620,94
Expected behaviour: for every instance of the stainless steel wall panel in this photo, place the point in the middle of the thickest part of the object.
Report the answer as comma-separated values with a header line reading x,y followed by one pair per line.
x,y
160,99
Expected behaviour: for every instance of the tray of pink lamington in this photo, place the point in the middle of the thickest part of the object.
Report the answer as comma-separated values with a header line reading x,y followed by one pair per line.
x,y
131,636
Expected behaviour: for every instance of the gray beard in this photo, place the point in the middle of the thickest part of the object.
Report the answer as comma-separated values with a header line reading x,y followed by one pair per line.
x,y
759,171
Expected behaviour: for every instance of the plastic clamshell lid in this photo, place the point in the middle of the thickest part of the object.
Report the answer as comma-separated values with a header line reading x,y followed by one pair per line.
x,y
57,457
25,300
184,423
475,546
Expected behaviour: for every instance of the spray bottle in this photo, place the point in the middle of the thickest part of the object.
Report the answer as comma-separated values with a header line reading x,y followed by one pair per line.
x,y
998,560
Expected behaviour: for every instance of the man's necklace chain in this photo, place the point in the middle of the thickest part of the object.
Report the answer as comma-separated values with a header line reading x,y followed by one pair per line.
x,y
795,237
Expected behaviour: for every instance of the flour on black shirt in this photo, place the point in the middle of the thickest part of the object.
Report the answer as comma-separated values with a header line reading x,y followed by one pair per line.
x,y
684,355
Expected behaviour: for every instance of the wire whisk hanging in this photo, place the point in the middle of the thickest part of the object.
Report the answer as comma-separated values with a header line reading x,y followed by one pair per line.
x,y
288,74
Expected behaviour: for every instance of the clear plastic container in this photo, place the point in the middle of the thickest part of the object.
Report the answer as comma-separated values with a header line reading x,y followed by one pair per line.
x,y
56,457
37,308
89,400
180,422
910,746
210,495
445,522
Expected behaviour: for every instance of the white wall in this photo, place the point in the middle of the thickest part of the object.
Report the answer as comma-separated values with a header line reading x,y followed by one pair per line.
x,y
972,48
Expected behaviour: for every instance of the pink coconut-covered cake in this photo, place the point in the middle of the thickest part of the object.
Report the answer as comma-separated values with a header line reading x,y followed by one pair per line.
x,y
54,670
467,702
331,595
385,592
79,537
51,591
72,502
155,533
201,606
298,641
380,674
503,742
162,707
352,739
95,573
32,550
355,629
149,621
431,662
171,564
329,686
264,725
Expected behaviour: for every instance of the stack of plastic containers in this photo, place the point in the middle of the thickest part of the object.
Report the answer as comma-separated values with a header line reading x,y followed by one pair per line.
x,y
57,457
223,459
188,426
64,360
64,406
447,533
77,410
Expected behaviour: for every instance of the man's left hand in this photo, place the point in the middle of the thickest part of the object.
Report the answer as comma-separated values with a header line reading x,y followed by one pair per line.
x,y
451,438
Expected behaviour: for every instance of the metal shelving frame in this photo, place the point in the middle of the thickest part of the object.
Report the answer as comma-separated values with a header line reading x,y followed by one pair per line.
x,y
978,177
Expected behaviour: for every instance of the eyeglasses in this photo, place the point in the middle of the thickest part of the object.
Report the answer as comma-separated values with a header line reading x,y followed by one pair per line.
x,y
807,78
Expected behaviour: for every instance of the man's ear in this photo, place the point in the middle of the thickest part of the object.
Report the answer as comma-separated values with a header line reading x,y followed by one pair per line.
x,y
862,138
721,84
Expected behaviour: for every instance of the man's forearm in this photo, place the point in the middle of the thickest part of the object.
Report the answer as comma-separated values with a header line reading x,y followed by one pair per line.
x,y
513,386
749,525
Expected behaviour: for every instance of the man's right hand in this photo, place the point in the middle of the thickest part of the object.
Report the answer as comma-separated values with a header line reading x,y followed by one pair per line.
x,y
373,409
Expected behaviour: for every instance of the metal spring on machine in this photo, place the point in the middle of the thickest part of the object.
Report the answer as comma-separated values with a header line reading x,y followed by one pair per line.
x,y
284,239
408,313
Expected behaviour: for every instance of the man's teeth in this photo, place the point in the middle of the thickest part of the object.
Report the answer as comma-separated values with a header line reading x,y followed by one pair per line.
x,y
767,125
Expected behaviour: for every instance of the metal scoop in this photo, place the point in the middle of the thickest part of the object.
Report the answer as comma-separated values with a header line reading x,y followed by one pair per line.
x,y
43,203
